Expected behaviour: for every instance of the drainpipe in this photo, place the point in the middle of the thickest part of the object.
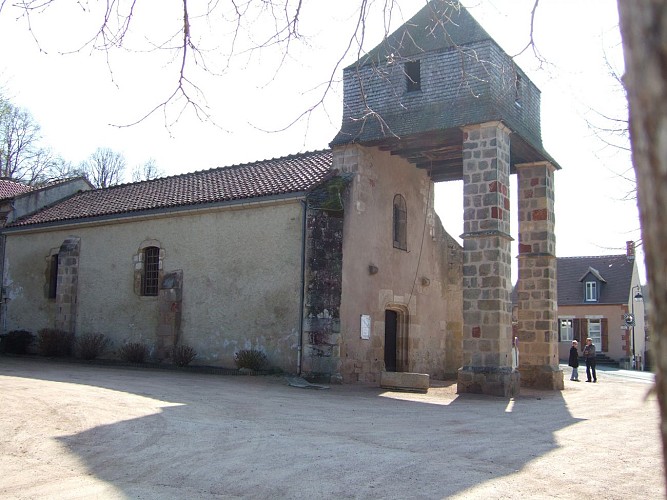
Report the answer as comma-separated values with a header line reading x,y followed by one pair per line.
x,y
302,298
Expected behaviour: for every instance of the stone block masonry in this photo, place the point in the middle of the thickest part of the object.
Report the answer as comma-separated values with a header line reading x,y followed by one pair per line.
x,y
537,286
68,283
487,330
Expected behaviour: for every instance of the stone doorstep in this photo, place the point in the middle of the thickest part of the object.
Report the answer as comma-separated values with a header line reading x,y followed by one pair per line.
x,y
405,381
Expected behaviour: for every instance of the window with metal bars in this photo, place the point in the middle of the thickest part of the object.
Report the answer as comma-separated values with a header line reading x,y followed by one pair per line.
x,y
400,223
150,277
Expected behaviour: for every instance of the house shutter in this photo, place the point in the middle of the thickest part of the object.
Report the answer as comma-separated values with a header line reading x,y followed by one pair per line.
x,y
580,331
583,331
604,332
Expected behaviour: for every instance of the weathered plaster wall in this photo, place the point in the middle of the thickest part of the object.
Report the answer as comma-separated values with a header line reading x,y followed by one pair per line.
x,y
424,282
241,280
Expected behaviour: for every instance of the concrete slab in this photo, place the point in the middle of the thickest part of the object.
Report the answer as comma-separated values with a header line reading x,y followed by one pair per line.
x,y
405,381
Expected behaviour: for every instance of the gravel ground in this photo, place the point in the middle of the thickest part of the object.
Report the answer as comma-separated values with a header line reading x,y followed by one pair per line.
x,y
82,431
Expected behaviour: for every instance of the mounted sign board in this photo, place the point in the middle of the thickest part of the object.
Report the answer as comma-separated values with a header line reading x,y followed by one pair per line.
x,y
365,326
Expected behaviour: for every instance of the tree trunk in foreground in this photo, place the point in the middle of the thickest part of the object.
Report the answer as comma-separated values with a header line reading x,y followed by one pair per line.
x,y
644,32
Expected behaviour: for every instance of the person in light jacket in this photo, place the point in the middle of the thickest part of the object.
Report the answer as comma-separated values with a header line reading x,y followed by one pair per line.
x,y
574,361
589,356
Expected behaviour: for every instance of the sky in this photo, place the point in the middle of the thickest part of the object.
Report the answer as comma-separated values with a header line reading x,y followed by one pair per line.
x,y
84,100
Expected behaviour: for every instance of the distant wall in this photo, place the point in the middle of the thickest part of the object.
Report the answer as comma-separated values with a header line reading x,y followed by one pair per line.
x,y
35,200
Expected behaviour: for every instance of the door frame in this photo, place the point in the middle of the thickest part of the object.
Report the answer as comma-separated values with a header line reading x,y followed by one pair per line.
x,y
402,340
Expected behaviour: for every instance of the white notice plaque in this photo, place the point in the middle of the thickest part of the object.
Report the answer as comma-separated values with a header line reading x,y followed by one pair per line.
x,y
365,326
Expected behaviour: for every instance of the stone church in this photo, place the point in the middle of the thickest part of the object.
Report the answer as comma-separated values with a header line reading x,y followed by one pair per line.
x,y
333,262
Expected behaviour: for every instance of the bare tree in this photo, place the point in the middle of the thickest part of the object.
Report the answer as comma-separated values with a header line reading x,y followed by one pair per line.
x,y
644,31
63,169
22,158
104,168
147,171
195,39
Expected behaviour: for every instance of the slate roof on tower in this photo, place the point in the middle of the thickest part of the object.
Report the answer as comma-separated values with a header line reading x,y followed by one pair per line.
x,y
414,93
278,177
441,24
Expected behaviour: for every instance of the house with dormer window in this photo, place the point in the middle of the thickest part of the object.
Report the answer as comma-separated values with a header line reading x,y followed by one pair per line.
x,y
600,297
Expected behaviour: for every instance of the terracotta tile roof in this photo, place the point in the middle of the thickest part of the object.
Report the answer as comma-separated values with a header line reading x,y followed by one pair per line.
x,y
278,176
9,188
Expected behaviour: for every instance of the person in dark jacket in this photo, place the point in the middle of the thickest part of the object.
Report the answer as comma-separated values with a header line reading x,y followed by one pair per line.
x,y
589,356
574,361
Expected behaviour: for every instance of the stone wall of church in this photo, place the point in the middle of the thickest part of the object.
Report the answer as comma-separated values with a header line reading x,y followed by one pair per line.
x,y
241,276
421,284
321,341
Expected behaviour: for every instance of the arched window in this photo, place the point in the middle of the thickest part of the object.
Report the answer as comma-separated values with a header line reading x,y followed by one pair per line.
x,y
400,223
151,271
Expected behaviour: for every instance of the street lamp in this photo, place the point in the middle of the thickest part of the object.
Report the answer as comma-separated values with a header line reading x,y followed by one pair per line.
x,y
636,297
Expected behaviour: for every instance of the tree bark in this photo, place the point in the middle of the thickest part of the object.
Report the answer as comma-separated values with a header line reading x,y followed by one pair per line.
x,y
644,32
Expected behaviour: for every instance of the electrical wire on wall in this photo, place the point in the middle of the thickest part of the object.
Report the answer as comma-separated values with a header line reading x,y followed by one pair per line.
x,y
421,246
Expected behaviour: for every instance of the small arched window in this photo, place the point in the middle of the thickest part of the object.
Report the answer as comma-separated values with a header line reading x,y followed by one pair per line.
x,y
151,271
400,223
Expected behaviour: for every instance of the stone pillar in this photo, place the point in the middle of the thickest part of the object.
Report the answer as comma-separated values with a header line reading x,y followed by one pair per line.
x,y
170,299
68,284
487,315
537,286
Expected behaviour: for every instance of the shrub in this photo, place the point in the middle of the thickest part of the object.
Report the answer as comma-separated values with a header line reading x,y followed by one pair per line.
x,y
182,355
251,359
134,352
54,342
91,345
17,341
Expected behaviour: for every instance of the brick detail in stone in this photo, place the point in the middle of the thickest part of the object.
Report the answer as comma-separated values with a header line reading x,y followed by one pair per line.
x,y
68,283
487,331
537,285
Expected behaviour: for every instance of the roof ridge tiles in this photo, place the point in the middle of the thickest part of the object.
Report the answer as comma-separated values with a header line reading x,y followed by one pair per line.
x,y
233,166
287,175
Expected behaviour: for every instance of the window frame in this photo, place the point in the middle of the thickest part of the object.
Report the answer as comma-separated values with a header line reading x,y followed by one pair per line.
x,y
568,328
591,291
400,223
413,79
52,292
150,275
590,328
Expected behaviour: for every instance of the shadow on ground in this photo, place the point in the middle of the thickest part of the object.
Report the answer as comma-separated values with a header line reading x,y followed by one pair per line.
x,y
255,437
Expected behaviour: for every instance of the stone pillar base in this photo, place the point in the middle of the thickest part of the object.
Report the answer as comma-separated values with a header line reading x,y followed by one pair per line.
x,y
542,377
490,381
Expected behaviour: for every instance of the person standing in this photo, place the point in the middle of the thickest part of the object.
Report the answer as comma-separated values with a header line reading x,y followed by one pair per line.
x,y
589,356
574,361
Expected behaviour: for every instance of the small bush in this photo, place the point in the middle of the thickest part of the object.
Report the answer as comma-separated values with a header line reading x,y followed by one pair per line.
x,y
17,341
134,352
91,345
250,359
182,355
55,343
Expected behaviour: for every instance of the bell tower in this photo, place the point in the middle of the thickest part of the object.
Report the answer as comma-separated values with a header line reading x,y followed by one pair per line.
x,y
440,93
